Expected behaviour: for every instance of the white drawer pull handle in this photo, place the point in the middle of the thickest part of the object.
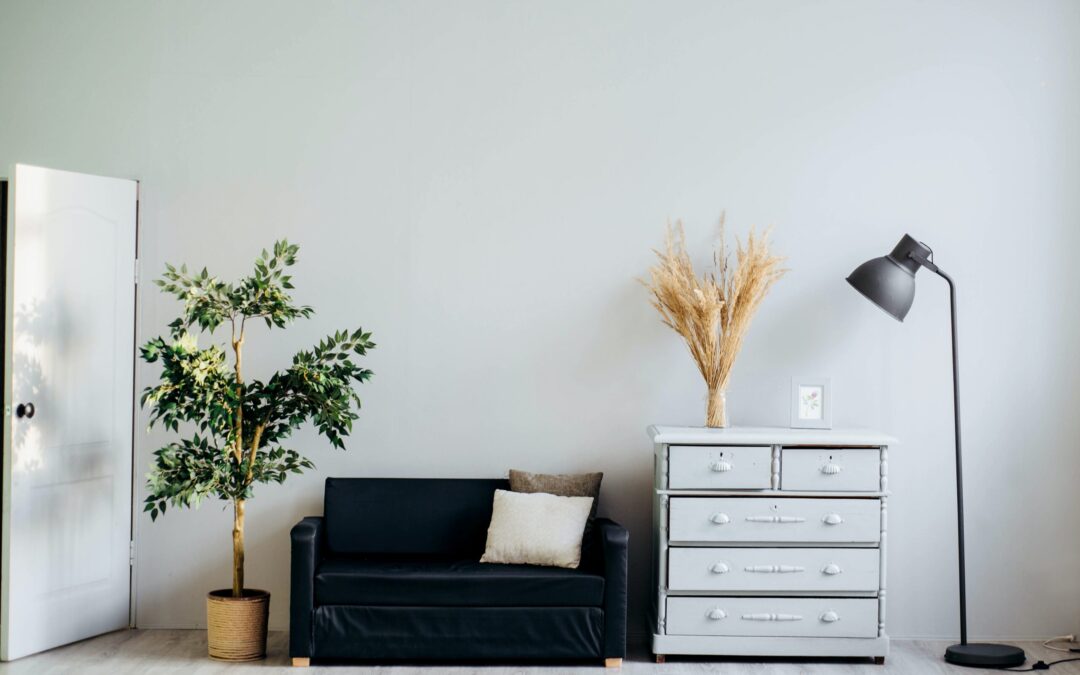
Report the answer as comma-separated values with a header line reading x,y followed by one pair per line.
x,y
716,614
771,617
831,569
719,568
720,518
774,569
832,519
831,469
775,519
830,617
720,466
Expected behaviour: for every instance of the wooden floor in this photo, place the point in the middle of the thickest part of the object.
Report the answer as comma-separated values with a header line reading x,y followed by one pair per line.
x,y
184,651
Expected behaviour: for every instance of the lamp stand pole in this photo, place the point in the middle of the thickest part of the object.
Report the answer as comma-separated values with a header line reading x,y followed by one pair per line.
x,y
959,458
965,654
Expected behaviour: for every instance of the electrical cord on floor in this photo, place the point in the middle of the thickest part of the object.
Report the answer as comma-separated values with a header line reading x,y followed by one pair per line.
x,y
1039,665
1049,644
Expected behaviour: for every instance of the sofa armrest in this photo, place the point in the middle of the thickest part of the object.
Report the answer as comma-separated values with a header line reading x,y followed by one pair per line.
x,y
307,549
611,542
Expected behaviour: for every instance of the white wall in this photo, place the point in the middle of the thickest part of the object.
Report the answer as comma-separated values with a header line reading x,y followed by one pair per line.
x,y
479,183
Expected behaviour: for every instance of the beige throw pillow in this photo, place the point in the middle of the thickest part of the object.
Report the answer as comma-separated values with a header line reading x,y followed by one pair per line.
x,y
536,529
564,485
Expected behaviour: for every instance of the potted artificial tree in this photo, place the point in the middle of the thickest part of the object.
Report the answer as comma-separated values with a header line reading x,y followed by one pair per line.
x,y
237,425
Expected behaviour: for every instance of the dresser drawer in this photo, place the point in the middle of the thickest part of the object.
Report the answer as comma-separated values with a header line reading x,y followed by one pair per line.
x,y
773,617
825,469
773,569
719,467
765,519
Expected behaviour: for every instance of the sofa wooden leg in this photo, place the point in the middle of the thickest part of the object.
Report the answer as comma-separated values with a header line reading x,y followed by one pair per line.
x,y
613,663
301,662
660,658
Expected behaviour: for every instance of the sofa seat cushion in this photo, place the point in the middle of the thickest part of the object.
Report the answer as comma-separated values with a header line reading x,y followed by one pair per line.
x,y
457,583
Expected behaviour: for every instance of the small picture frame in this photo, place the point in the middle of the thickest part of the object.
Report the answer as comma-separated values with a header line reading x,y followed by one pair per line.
x,y
811,403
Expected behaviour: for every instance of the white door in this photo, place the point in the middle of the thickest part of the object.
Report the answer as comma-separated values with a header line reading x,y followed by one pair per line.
x,y
69,406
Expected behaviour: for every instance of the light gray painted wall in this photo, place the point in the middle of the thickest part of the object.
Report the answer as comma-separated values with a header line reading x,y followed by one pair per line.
x,y
479,183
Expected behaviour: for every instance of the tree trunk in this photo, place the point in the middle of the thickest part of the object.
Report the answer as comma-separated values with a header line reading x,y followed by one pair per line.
x,y
716,410
238,548
238,504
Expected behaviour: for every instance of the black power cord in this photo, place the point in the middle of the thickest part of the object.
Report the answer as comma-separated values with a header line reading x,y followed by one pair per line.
x,y
1039,665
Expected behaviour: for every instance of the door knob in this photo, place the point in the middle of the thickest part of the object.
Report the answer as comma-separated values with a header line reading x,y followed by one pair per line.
x,y
24,410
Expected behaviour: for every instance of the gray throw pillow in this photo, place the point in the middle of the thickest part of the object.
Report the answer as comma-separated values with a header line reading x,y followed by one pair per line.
x,y
562,485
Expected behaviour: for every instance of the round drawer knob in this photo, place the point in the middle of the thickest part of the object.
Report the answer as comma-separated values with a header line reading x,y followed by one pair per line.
x,y
831,569
716,614
830,617
719,568
832,519
720,466
720,518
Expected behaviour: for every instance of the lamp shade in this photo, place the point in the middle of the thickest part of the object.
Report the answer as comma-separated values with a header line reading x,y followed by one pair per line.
x,y
889,281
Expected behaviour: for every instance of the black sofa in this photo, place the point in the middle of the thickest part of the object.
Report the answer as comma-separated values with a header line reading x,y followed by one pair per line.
x,y
391,572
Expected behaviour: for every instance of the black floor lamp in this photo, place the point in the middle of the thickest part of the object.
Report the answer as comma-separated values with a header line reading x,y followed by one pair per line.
x,y
889,283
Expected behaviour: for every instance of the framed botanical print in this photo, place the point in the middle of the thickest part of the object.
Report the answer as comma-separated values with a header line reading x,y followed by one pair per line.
x,y
811,403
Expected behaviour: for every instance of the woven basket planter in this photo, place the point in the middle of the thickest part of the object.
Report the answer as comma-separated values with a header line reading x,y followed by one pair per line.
x,y
236,627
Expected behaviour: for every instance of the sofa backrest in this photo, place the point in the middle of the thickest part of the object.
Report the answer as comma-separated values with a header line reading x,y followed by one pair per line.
x,y
442,516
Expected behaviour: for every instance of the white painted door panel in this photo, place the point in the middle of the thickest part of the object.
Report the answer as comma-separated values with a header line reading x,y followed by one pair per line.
x,y
773,569
773,617
69,350
781,519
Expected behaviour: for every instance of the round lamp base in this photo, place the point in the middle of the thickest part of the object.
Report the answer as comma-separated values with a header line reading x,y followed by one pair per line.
x,y
985,655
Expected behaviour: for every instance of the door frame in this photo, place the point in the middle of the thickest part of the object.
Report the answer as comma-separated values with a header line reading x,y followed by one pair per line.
x,y
5,365
5,442
136,286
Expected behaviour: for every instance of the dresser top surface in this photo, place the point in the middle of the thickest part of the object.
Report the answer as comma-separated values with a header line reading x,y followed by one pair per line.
x,y
767,436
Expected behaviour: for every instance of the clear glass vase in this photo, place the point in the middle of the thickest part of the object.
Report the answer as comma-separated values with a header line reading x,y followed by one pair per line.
x,y
716,409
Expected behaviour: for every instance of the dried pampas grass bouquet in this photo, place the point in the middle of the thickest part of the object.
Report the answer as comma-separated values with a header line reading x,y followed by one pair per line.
x,y
713,312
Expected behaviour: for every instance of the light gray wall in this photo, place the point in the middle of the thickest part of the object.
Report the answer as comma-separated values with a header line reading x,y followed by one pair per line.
x,y
479,183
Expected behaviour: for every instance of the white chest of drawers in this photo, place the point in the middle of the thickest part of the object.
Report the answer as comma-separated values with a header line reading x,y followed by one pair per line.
x,y
769,542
